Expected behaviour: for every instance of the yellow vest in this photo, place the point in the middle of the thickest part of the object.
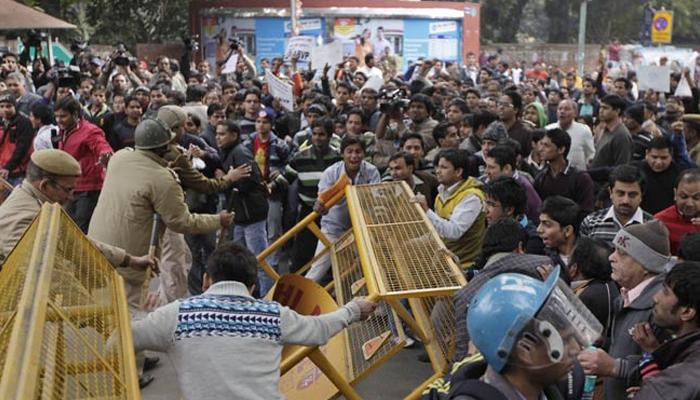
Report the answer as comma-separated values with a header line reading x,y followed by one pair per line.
x,y
468,246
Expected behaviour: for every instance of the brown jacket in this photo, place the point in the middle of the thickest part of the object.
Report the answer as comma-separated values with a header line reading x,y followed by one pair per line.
x,y
137,185
191,178
18,212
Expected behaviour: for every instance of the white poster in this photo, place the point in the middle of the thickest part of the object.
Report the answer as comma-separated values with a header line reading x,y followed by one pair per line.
x,y
374,82
442,27
299,47
280,90
653,77
230,66
331,54
443,49
305,24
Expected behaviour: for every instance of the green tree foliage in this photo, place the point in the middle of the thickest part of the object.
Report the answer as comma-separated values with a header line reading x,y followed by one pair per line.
x,y
128,21
502,20
133,21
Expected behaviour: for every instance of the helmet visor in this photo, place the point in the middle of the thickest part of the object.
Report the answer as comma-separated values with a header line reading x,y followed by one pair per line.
x,y
566,313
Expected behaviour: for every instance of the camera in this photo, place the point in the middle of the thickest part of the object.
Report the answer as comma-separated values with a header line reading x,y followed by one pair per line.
x,y
234,43
392,101
66,76
122,57
78,46
191,43
34,38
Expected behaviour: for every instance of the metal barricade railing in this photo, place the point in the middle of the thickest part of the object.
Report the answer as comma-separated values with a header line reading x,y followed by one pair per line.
x,y
5,190
391,253
60,303
403,257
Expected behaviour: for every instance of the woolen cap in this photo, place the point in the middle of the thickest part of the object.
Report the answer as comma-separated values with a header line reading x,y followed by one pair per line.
x,y
647,243
56,162
7,97
172,116
496,132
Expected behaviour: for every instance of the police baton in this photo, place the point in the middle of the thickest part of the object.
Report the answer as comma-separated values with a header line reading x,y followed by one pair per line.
x,y
229,208
152,248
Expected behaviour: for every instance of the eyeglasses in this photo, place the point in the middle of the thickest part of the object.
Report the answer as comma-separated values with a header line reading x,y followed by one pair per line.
x,y
504,105
63,188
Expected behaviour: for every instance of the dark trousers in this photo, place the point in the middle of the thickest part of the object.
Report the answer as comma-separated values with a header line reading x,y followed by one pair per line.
x,y
81,208
201,247
304,243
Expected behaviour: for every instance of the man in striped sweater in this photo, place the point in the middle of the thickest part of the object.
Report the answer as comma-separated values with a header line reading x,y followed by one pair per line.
x,y
306,168
626,187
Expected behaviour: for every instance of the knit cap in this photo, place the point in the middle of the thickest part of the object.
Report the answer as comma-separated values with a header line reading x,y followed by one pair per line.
x,y
636,112
496,132
7,97
648,244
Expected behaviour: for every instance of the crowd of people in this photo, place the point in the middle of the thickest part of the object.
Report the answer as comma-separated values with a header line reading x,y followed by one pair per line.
x,y
546,186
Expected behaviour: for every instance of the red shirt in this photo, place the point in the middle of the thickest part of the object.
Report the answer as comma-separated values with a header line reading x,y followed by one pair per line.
x,y
677,225
260,152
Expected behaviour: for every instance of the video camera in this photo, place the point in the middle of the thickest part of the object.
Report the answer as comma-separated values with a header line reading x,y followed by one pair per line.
x,y
234,43
122,58
392,101
191,43
78,46
34,38
65,76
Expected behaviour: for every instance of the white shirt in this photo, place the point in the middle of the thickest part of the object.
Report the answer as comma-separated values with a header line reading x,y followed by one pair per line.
x,y
374,71
43,137
638,217
379,47
462,218
582,146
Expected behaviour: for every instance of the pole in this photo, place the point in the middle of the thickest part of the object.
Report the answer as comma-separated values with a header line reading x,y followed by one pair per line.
x,y
50,44
582,37
293,11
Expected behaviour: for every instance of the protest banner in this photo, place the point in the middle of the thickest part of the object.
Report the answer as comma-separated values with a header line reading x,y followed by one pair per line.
x,y
299,47
654,77
230,66
280,90
331,54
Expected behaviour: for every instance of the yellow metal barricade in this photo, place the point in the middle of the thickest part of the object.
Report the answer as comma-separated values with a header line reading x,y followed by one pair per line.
x,y
60,303
371,342
391,253
403,257
5,190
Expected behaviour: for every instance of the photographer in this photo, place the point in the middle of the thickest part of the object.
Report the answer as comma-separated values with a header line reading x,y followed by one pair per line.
x,y
169,66
249,72
119,73
391,106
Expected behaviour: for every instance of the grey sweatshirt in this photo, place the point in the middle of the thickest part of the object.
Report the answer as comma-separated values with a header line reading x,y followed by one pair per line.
x,y
227,345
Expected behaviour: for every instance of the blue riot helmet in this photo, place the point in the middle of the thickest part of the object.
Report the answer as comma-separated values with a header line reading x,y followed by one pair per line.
x,y
509,305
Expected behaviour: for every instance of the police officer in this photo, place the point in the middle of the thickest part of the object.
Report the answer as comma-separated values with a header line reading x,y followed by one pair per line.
x,y
137,185
51,176
176,258
529,332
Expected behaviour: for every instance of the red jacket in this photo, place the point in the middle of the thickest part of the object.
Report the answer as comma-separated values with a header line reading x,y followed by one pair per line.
x,y
677,226
16,138
86,142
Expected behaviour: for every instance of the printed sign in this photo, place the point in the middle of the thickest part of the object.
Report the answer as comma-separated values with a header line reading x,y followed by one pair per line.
x,y
230,66
299,47
309,24
653,77
662,27
280,90
442,27
331,54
